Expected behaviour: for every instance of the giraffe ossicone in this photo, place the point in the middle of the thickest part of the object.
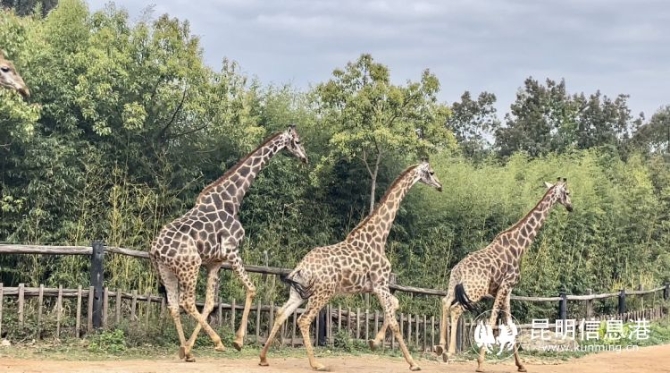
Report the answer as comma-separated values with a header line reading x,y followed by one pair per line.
x,y
209,234
494,271
358,264
10,78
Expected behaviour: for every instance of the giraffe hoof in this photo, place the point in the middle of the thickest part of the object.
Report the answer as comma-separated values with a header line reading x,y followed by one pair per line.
x,y
439,350
238,345
415,368
190,358
219,347
445,357
373,344
263,362
522,369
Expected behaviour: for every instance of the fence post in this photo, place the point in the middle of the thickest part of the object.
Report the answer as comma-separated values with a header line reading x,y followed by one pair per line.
x,y
622,301
97,280
666,291
563,306
589,305
322,327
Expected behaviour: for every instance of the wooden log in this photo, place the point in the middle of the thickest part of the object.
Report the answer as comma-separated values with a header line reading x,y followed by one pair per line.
x,y
21,305
77,322
119,301
91,292
40,300
133,306
59,309
258,321
105,307
2,298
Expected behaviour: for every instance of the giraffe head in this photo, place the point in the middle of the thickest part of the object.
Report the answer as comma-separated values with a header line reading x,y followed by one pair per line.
x,y
292,143
426,175
11,79
560,194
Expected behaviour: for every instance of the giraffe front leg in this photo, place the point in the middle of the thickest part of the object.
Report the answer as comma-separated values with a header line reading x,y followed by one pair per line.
x,y
390,304
379,338
236,262
441,349
212,277
313,307
498,304
508,319
283,313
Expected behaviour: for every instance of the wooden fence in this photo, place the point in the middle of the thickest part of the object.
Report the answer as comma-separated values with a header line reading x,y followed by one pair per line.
x,y
75,312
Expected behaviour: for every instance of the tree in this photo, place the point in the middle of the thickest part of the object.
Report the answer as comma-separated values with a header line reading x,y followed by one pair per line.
x,y
472,121
371,119
535,119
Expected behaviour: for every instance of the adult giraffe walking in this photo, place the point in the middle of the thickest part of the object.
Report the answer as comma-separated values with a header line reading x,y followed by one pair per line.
x,y
356,265
209,234
495,270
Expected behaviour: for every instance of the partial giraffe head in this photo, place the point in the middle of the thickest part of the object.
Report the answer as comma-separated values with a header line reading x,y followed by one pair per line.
x,y
293,145
560,194
10,78
427,176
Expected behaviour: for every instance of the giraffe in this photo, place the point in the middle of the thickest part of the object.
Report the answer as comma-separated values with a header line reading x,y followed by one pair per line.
x,y
353,266
209,234
10,78
494,270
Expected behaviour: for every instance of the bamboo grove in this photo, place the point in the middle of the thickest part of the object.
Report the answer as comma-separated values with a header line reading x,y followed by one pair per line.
x,y
126,124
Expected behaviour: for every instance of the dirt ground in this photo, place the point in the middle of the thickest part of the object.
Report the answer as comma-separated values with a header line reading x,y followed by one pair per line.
x,y
645,360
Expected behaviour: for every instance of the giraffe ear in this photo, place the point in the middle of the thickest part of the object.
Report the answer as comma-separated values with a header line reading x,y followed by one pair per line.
x,y
3,54
546,184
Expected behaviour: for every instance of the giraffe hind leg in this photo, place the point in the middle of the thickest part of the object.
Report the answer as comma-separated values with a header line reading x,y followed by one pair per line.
x,y
171,287
212,277
187,279
294,301
239,270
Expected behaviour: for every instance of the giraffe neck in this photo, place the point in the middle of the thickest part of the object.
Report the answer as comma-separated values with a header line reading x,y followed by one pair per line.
x,y
522,234
234,184
375,227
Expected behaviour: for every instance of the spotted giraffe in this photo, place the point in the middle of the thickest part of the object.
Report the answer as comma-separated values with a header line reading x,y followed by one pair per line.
x,y
10,78
209,234
356,265
494,271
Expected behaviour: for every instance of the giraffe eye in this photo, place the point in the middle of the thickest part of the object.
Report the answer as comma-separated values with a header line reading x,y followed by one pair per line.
x,y
4,69
297,142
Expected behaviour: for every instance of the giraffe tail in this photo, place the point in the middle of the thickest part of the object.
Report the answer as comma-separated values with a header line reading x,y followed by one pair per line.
x,y
461,297
304,291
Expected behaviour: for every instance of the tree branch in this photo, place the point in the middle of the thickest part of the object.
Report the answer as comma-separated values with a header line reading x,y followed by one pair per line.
x,y
161,133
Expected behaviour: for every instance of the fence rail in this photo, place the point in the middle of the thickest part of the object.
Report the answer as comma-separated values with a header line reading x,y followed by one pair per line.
x,y
85,250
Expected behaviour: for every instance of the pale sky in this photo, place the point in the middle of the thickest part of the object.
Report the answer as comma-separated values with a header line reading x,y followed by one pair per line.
x,y
616,46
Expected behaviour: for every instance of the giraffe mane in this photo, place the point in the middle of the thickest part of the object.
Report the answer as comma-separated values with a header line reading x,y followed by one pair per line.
x,y
518,223
232,170
384,198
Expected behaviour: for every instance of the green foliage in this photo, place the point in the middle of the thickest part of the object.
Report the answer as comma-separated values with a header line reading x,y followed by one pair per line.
x,y
109,341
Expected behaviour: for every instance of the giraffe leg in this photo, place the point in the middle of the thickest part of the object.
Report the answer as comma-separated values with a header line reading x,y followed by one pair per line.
x,y
283,313
313,307
497,306
390,304
212,276
236,263
172,289
454,314
188,302
508,316
379,338
446,307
